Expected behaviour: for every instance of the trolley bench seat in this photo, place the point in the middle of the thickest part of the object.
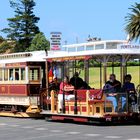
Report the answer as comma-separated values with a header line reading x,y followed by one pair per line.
x,y
85,104
89,102
93,94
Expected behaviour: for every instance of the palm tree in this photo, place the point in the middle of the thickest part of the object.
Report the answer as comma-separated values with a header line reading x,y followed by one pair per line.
x,y
133,23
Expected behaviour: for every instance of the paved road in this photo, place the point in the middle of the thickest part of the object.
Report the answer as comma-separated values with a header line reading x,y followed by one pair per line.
x,y
30,129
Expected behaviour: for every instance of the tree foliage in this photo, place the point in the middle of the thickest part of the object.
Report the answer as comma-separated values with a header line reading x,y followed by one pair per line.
x,y
6,47
1,39
133,22
22,27
39,42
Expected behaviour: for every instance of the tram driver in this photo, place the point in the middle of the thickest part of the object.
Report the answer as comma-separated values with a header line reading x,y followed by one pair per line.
x,y
112,86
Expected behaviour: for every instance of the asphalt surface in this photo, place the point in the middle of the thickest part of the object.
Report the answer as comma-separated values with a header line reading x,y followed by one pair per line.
x,y
31,129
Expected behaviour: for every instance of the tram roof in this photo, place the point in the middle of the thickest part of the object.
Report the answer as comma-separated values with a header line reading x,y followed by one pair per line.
x,y
94,43
35,56
122,48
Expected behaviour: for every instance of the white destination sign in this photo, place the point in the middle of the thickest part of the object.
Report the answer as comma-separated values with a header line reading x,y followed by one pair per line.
x,y
128,46
55,40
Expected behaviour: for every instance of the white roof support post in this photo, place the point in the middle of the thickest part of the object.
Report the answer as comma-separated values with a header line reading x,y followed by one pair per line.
x,y
105,45
123,68
85,47
27,74
105,60
86,68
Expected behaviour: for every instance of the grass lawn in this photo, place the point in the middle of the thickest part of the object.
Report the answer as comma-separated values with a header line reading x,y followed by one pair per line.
x,y
94,78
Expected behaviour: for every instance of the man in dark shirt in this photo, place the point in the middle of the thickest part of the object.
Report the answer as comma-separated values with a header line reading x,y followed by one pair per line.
x,y
112,86
76,81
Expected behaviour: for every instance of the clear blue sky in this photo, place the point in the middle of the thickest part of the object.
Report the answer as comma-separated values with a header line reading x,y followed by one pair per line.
x,y
77,18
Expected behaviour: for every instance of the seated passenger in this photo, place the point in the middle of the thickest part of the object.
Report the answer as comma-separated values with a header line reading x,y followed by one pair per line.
x,y
129,88
85,86
76,81
112,86
54,85
67,88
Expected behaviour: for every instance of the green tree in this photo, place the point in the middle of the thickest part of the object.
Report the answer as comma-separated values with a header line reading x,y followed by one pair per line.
x,y
39,42
1,39
5,47
22,27
133,22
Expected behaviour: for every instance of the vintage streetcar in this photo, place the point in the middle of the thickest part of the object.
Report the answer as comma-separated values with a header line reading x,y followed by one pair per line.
x,y
20,82
36,83
89,103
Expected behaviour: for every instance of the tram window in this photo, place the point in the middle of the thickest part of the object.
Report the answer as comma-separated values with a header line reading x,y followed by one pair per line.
x,y
0,74
16,74
99,46
90,47
6,74
11,74
34,74
22,73
111,45
81,48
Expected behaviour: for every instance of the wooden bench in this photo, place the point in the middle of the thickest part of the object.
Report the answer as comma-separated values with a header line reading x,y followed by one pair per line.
x,y
89,102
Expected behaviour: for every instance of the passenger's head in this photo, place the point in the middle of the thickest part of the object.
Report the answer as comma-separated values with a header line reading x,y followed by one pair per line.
x,y
76,74
66,79
55,79
127,78
112,77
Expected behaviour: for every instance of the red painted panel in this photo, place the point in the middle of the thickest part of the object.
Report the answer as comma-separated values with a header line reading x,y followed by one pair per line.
x,y
20,64
67,108
97,93
3,89
13,90
76,119
18,89
72,108
84,109
58,118
81,94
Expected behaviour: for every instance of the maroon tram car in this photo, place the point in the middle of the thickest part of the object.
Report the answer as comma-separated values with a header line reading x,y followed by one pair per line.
x,y
21,77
